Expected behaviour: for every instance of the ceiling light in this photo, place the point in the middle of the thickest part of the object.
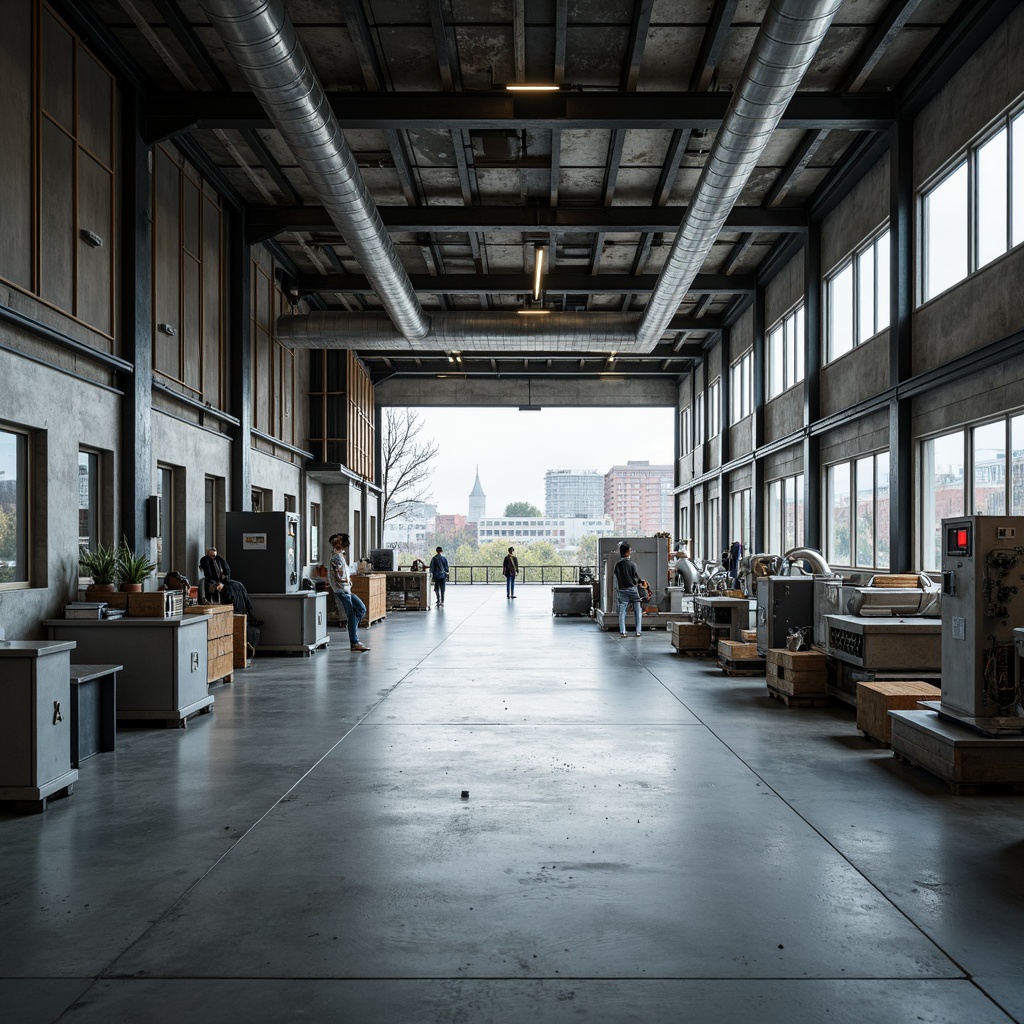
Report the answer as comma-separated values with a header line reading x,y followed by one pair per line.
x,y
539,252
527,87
533,312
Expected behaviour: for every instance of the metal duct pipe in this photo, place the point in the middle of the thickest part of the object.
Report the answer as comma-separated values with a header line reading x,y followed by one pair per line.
x,y
815,559
262,41
452,332
790,34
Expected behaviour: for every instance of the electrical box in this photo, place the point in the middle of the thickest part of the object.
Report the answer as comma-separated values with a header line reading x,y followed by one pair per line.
x,y
263,551
982,603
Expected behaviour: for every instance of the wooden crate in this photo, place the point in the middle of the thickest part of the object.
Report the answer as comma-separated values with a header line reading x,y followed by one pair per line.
x,y
220,639
896,581
748,636
159,604
690,636
371,589
734,650
797,661
875,701
239,636
795,683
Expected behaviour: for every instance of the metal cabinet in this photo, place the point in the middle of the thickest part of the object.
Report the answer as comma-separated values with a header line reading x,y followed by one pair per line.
x,y
292,623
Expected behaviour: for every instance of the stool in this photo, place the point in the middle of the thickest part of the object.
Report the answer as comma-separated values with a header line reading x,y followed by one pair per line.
x,y
93,710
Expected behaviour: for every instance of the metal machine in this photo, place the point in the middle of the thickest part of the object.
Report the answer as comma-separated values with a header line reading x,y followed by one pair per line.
x,y
649,554
784,603
982,603
726,617
263,550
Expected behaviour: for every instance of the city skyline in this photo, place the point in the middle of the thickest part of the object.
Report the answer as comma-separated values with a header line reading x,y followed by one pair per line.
x,y
515,449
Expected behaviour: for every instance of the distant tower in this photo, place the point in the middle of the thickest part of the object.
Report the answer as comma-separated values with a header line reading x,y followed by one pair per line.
x,y
477,501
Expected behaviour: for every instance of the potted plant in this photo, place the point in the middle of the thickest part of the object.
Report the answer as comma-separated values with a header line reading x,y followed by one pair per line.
x,y
102,565
132,569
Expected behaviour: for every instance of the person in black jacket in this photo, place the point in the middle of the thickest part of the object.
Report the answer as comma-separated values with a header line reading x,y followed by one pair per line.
x,y
627,581
217,574
509,569
439,574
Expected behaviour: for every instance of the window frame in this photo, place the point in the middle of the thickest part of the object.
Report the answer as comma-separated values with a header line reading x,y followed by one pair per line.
x,y
23,499
714,406
859,291
880,539
779,507
792,361
741,395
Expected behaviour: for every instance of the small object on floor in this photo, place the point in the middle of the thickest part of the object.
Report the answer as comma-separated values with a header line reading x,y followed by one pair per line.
x,y
360,647
465,794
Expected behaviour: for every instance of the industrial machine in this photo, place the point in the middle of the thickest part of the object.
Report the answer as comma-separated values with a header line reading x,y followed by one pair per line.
x,y
784,603
982,603
263,550
726,617
650,555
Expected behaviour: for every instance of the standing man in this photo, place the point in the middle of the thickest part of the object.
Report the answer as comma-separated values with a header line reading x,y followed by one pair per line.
x,y
340,579
627,581
439,574
509,569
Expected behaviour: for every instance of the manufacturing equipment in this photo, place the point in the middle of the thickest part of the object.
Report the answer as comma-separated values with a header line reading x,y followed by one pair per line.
x,y
726,617
784,603
263,550
650,555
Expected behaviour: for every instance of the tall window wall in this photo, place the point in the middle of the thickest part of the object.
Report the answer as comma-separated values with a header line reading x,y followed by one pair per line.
x,y
739,517
857,298
978,470
975,211
741,389
14,510
857,512
784,519
786,352
714,408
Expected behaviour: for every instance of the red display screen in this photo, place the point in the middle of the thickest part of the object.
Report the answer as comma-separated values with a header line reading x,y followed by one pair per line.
x,y
958,540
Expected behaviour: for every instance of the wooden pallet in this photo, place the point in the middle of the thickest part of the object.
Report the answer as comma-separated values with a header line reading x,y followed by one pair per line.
x,y
742,667
803,700
876,699
694,652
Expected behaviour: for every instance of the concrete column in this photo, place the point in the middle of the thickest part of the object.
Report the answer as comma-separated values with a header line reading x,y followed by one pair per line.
x,y
812,384
239,333
757,495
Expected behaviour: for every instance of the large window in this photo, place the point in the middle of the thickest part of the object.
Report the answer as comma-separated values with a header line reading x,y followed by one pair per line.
x,y
942,491
165,535
857,512
785,514
786,352
685,432
14,518
739,518
857,298
975,212
741,391
698,420
714,408
88,499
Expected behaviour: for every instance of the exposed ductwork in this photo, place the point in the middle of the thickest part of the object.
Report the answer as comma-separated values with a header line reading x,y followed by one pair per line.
x,y
264,45
262,41
790,34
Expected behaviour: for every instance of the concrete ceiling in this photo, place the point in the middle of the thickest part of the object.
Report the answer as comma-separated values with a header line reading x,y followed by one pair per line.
x,y
469,179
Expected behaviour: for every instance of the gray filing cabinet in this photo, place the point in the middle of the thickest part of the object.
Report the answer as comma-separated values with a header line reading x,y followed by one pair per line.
x,y
165,661
35,727
572,599
292,622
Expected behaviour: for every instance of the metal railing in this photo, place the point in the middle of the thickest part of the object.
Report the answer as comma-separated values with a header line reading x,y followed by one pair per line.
x,y
528,574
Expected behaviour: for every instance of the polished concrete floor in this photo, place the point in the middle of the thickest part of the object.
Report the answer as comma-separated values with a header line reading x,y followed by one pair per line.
x,y
644,839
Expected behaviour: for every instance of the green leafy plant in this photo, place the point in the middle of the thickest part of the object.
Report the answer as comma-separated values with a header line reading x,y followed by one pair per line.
x,y
101,563
131,567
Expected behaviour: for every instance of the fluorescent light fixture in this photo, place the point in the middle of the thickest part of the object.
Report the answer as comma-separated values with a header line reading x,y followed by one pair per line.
x,y
539,252
534,312
527,87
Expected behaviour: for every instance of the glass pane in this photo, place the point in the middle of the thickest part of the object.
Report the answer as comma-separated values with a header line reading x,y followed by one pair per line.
x,y
88,491
775,362
865,295
990,469
798,510
840,313
838,512
775,517
945,230
798,321
1017,188
882,283
13,495
942,492
165,489
882,510
1017,466
865,515
992,198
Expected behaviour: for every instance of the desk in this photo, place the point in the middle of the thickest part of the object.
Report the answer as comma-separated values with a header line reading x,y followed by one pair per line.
x,y
93,710
35,728
165,662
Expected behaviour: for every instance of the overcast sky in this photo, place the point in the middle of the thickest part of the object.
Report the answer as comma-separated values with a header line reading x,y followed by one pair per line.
x,y
514,449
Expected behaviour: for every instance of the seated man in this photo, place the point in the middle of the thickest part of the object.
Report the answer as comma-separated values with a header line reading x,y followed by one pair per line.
x,y
217,573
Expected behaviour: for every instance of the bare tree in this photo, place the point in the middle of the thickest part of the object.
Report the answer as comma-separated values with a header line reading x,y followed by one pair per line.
x,y
406,462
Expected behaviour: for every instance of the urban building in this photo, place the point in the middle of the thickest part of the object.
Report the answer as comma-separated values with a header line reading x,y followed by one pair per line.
x,y
232,234
410,530
449,523
638,498
564,532
570,492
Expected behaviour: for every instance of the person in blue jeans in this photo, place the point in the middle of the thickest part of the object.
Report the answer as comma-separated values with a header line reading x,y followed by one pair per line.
x,y
627,581
339,575
439,574
509,569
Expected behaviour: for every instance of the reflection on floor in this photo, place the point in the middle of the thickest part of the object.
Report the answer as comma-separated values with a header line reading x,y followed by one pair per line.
x,y
643,839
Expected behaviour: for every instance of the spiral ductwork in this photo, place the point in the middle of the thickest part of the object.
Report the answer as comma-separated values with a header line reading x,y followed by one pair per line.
x,y
262,41
789,37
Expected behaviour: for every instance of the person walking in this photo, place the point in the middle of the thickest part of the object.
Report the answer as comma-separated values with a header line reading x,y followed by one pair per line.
x,y
509,569
627,581
340,579
439,574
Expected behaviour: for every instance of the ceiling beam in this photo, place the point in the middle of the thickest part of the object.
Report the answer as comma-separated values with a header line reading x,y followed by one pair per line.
x,y
266,221
521,284
170,113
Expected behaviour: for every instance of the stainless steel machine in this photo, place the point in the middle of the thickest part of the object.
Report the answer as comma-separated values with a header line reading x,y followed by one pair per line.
x,y
982,603
650,555
726,617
